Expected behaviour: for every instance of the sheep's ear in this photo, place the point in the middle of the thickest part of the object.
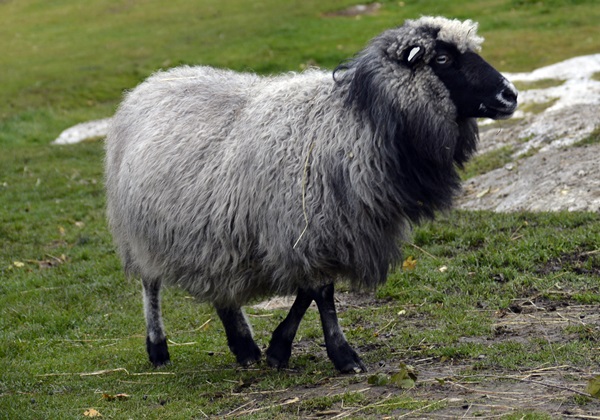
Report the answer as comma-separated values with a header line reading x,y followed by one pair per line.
x,y
413,54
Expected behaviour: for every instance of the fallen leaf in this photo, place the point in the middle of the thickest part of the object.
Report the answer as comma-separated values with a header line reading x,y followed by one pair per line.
x,y
405,378
119,397
443,269
593,387
378,379
409,263
61,231
18,264
92,413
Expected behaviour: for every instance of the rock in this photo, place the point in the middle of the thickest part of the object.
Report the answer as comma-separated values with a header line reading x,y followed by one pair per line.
x,y
547,181
84,131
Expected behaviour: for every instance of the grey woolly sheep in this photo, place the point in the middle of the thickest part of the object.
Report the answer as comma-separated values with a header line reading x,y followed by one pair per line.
x,y
234,186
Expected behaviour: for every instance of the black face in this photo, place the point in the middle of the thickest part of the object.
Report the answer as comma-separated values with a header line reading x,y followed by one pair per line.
x,y
476,88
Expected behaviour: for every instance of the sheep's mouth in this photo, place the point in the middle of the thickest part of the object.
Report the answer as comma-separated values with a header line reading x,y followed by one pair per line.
x,y
498,113
503,114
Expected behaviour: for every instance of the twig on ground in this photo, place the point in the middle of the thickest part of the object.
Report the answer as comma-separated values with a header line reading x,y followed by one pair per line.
x,y
564,388
520,379
423,251
422,408
104,372
356,410
191,343
376,333
236,413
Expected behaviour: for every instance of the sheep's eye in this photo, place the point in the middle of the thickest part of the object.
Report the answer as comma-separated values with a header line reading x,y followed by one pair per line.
x,y
442,59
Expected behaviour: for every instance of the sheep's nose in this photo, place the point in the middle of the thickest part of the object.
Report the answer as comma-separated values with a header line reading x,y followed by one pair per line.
x,y
509,93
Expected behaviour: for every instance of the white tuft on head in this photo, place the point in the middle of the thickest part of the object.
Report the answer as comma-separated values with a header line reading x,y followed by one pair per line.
x,y
463,34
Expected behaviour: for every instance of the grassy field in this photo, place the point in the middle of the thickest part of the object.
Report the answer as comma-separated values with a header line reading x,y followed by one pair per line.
x,y
497,313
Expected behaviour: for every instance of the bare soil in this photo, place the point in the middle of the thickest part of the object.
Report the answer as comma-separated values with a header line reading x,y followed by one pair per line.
x,y
459,388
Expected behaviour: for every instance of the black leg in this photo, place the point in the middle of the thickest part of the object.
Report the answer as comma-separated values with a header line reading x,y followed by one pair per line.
x,y
280,348
156,340
239,336
344,358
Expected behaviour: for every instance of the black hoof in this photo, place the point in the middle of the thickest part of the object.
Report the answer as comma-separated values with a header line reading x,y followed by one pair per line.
x,y
248,354
158,353
278,357
346,360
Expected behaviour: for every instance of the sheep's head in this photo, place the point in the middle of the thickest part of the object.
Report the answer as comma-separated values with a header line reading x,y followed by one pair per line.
x,y
448,49
431,60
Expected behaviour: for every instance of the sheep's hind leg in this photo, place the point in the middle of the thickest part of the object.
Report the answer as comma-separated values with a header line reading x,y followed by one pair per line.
x,y
280,348
239,335
156,340
344,358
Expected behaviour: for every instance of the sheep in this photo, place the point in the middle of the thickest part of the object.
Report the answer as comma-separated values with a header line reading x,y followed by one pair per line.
x,y
235,186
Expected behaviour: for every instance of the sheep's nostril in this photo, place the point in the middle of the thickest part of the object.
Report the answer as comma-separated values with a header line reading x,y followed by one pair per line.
x,y
509,95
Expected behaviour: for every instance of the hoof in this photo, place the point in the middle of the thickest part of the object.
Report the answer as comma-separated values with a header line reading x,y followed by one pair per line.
x,y
158,353
346,360
277,364
247,356
355,367
278,358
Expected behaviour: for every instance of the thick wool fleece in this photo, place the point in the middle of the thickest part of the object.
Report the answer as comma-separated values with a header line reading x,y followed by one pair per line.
x,y
235,186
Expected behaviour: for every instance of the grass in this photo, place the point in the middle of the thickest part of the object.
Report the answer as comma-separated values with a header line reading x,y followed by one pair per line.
x,y
538,107
593,138
71,325
487,162
538,84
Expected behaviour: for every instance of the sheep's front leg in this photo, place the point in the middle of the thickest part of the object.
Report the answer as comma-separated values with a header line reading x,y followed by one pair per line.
x,y
344,358
239,335
156,340
280,348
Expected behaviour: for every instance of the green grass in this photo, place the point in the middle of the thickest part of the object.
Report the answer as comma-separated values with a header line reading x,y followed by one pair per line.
x,y
537,107
487,162
71,325
538,84
593,138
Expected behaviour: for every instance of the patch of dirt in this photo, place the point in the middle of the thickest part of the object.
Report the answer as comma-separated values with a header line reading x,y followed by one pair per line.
x,y
461,387
587,263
